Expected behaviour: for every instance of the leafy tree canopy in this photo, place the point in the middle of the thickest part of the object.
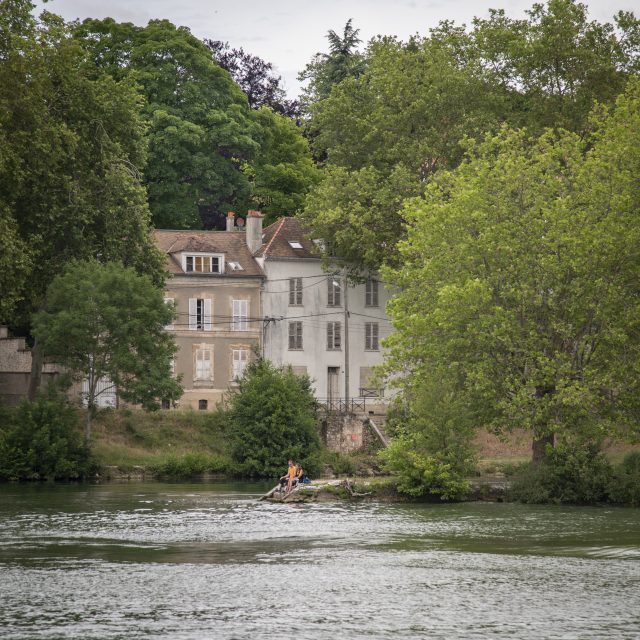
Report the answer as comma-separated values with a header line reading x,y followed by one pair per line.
x,y
72,147
412,104
200,126
106,321
255,77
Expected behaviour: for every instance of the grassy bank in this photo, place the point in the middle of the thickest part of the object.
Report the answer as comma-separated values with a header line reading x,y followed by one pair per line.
x,y
175,443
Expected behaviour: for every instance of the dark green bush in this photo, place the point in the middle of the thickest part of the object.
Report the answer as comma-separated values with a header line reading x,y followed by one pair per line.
x,y
272,418
625,485
569,475
42,441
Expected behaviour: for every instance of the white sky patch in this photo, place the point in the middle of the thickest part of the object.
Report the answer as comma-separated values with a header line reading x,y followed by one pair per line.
x,y
289,33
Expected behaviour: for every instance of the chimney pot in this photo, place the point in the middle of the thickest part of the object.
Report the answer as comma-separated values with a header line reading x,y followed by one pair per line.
x,y
254,230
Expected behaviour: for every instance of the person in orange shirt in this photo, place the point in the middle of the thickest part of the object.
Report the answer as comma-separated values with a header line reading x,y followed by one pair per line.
x,y
289,476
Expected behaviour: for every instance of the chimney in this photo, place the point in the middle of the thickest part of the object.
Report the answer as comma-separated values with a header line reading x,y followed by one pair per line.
x,y
231,221
254,230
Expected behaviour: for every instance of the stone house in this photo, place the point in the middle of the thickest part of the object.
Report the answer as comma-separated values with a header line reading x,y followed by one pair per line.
x,y
215,286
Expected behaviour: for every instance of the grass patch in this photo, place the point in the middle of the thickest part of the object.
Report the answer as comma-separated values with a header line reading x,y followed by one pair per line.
x,y
166,442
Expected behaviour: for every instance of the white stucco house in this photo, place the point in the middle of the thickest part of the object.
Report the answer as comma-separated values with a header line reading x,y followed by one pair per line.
x,y
317,324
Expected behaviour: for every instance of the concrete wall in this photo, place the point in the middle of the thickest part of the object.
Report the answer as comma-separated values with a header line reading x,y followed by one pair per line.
x,y
314,313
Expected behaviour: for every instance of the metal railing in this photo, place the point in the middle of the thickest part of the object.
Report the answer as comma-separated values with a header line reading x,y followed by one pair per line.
x,y
352,405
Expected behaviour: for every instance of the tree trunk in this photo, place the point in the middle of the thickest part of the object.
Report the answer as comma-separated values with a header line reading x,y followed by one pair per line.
x,y
35,377
539,447
542,436
87,424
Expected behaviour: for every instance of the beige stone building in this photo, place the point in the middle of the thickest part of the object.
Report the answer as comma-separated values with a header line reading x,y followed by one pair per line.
x,y
215,286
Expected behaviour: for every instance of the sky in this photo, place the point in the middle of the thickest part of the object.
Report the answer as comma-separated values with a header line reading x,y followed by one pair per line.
x,y
288,33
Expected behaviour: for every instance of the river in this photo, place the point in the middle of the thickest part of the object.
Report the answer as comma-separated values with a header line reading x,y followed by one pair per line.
x,y
198,561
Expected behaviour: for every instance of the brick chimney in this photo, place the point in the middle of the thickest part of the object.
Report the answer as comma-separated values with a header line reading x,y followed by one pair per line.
x,y
254,230
231,221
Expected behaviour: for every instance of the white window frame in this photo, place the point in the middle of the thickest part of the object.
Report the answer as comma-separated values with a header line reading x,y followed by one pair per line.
x,y
239,362
371,336
193,256
371,296
334,336
295,292
240,314
203,364
334,292
295,336
200,314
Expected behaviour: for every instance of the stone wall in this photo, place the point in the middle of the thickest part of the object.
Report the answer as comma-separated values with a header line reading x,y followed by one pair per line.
x,y
15,368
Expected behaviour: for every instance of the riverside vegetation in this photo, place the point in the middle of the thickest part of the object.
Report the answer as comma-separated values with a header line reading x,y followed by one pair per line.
x,y
488,173
43,441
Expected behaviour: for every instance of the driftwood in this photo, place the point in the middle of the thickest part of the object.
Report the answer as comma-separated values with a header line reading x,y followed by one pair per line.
x,y
312,491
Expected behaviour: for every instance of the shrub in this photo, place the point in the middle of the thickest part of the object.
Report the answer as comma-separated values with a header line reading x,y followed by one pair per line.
x,y
420,472
625,484
43,442
189,465
272,418
569,475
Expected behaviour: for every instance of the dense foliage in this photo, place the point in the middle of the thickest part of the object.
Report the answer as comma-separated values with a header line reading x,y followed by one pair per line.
x,y
42,440
578,475
106,321
272,418
384,130
205,143
72,143
519,281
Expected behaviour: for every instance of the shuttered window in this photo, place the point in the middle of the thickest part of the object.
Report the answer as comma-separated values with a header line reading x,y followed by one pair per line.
x,y
240,315
170,302
239,361
204,365
334,337
334,292
371,293
371,331
295,335
200,314
295,291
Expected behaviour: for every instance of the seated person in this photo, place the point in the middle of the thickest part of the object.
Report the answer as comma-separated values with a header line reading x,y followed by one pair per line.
x,y
287,478
299,476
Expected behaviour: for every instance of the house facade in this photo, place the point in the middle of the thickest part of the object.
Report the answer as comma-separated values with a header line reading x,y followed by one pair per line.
x,y
215,288
316,322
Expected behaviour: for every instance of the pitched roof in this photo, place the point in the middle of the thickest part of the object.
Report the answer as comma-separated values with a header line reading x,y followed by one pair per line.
x,y
287,238
232,244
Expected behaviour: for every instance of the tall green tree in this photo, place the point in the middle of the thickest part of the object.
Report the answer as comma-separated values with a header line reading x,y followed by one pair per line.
x,y
104,321
328,69
413,103
201,129
72,150
282,172
520,277
272,418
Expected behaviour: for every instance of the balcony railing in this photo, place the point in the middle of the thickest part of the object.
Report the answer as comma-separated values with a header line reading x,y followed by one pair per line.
x,y
351,405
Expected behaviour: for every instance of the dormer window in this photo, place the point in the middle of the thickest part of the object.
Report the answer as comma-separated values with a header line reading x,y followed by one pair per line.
x,y
294,244
203,263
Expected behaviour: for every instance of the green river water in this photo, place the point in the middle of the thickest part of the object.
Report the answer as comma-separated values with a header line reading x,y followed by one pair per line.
x,y
198,561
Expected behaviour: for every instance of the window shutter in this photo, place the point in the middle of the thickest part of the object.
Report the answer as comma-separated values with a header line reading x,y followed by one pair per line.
x,y
337,342
207,314
193,313
292,290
